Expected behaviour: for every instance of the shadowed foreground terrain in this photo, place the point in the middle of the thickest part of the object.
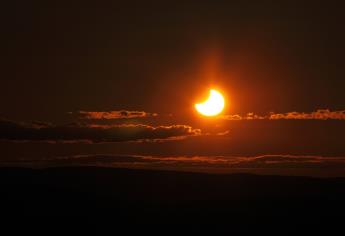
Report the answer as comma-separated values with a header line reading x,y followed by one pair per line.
x,y
237,202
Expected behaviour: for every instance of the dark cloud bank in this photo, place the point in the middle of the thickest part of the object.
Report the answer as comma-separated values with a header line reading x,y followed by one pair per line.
x,y
266,164
38,131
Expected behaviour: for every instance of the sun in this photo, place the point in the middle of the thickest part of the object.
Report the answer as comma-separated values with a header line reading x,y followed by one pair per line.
x,y
213,106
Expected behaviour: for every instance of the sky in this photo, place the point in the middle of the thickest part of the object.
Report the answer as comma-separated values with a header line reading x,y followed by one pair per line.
x,y
101,82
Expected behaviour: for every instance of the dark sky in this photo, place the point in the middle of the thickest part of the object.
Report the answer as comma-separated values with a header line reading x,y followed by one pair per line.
x,y
160,57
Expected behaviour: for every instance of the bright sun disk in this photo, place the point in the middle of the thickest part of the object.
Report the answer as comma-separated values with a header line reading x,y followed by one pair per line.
x,y
213,105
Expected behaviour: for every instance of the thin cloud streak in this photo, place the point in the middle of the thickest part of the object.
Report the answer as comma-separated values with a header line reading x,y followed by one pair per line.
x,y
320,114
113,115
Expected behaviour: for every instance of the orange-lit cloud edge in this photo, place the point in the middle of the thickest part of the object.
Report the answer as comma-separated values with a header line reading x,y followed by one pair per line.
x,y
111,115
100,133
92,133
320,114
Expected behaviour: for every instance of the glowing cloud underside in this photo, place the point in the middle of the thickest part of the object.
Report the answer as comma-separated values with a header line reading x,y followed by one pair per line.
x,y
213,105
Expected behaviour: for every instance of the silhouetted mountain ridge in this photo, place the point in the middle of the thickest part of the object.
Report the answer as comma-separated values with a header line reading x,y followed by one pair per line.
x,y
170,197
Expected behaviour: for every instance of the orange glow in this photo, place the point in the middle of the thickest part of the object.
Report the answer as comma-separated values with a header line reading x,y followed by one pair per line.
x,y
213,106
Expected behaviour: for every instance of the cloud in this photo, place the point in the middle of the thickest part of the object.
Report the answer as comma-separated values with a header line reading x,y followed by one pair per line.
x,y
264,164
320,114
15,131
112,115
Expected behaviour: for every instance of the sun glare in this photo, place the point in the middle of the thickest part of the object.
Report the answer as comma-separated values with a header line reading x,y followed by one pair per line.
x,y
213,105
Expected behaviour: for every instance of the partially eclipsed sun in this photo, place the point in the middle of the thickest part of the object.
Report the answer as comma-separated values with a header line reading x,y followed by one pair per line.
x,y
213,105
